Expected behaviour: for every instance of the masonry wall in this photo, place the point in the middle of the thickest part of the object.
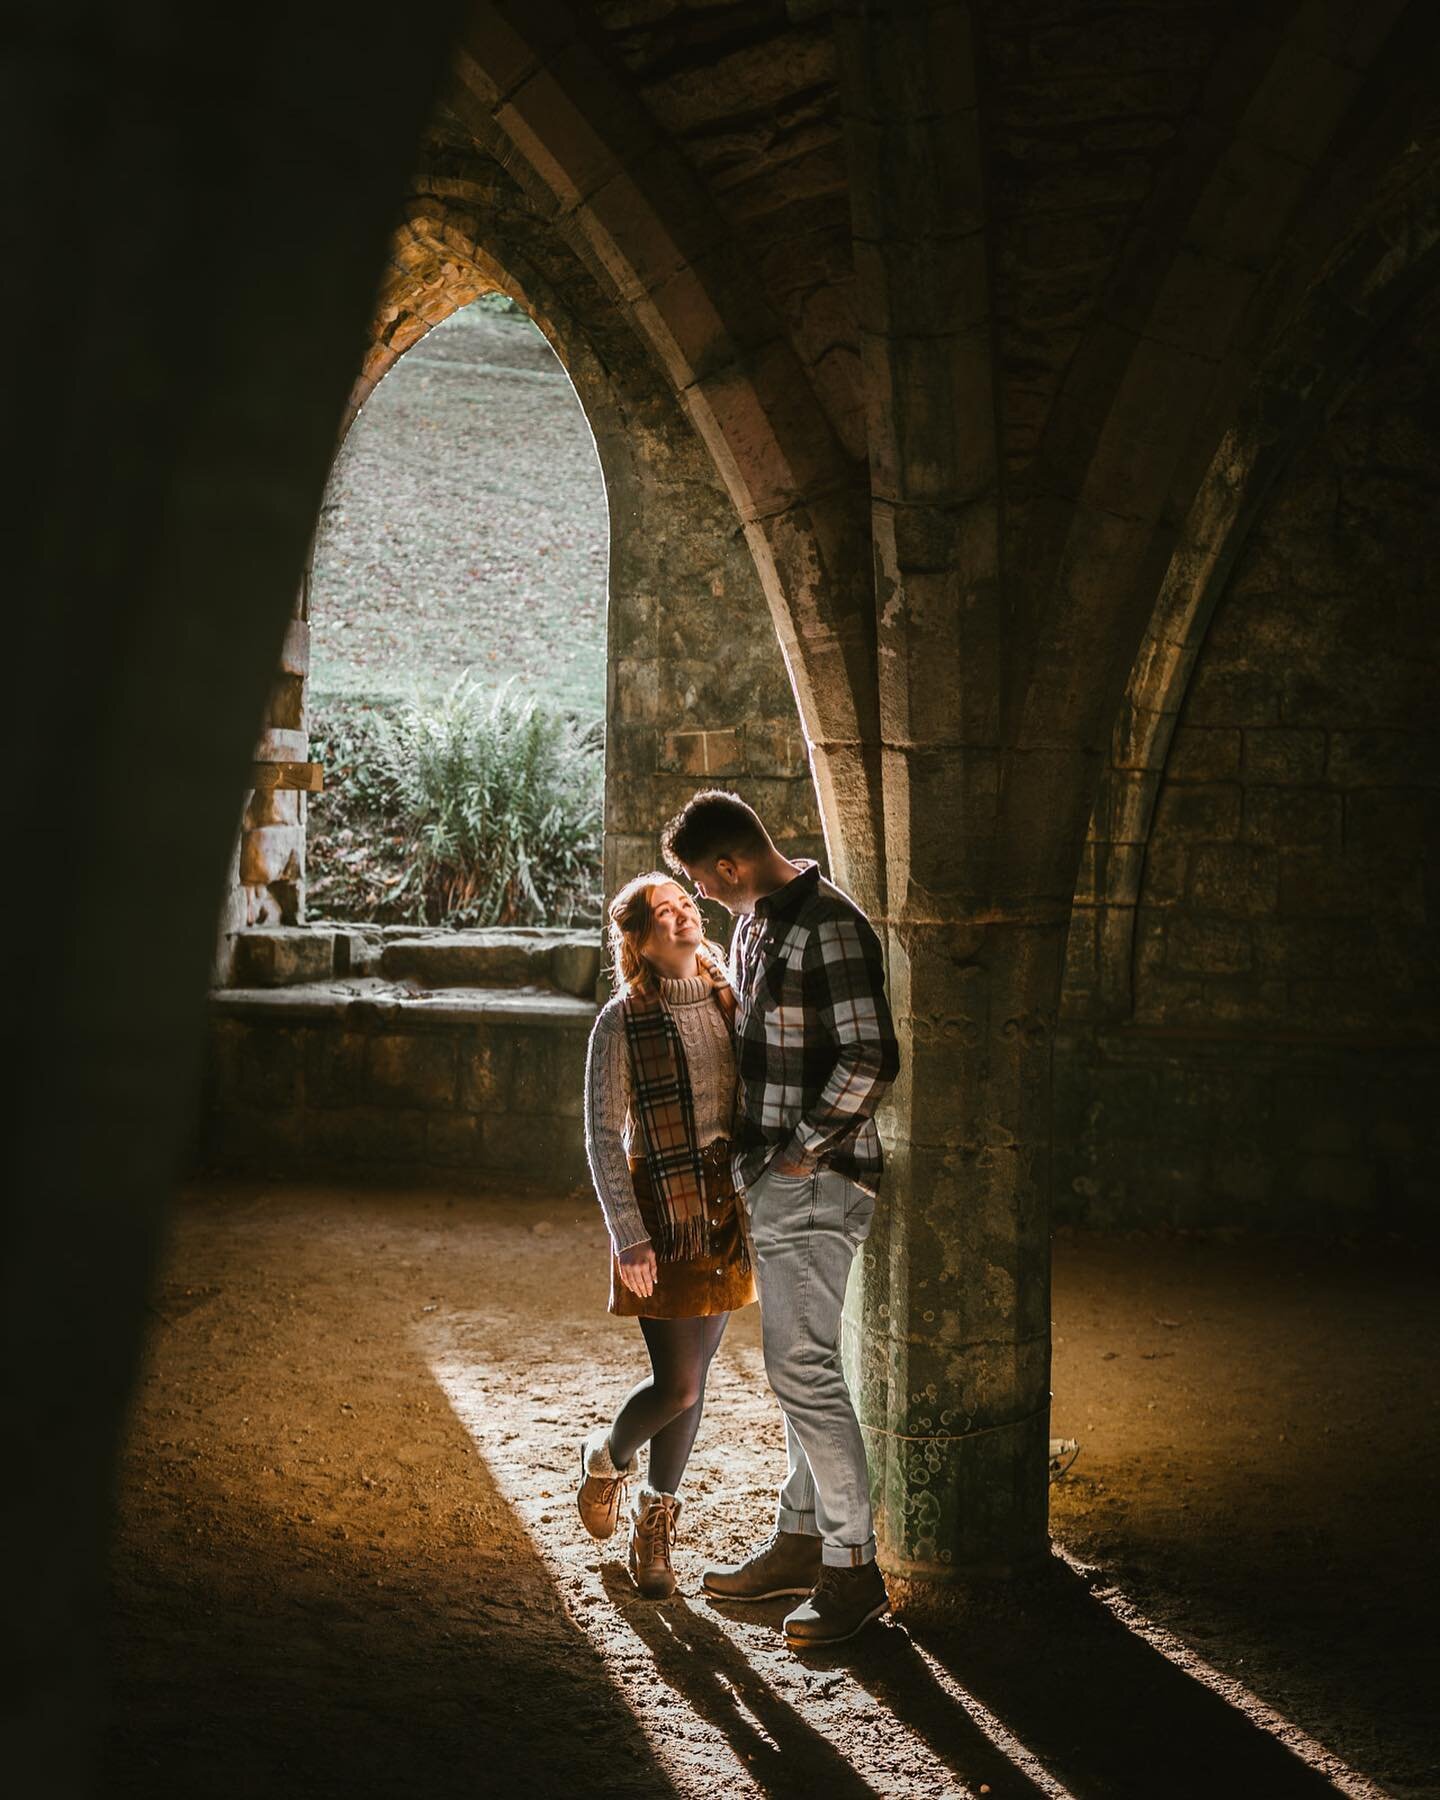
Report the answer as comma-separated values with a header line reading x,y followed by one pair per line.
x,y
323,1085
1280,1065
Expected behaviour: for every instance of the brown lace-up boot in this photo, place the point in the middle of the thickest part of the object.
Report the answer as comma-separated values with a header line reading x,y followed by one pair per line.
x,y
652,1537
789,1563
602,1485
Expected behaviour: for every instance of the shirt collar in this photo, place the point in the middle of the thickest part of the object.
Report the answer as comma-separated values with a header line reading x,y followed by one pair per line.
x,y
786,900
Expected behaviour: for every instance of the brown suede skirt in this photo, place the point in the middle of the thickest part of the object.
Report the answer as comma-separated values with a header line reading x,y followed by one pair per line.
x,y
701,1285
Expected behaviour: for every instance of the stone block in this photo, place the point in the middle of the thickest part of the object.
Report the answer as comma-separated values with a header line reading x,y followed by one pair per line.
x,y
267,1064
549,1073
1305,947
453,1141
1285,816
1284,756
1384,759
1151,934
1232,697
276,744
272,853
1198,811
273,806
366,1137
635,696
777,747
1239,880
285,704
1203,753
280,956
706,755
540,1146
1315,884
1209,947
1205,1100
487,1060
575,966
1166,870
632,624
465,959
413,1069
295,651
334,1067
1246,1002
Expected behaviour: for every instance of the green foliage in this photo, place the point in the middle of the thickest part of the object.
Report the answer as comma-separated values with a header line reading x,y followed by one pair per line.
x,y
488,802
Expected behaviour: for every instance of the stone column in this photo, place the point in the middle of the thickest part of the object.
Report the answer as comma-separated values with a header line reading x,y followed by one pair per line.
x,y
948,1320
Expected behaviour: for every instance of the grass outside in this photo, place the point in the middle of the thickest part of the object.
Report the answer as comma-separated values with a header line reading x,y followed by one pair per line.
x,y
463,536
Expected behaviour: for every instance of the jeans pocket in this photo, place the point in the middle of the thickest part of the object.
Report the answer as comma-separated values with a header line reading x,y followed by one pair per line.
x,y
859,1212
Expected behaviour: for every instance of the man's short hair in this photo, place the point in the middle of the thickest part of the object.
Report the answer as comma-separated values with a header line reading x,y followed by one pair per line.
x,y
710,825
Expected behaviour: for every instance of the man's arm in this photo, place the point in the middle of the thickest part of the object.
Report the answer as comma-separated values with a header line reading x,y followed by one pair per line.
x,y
844,981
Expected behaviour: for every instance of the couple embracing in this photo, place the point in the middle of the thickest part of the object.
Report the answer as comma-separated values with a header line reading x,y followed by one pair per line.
x,y
729,1124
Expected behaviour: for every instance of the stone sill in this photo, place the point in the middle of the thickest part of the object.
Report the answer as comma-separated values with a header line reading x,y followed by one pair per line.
x,y
535,957
371,1000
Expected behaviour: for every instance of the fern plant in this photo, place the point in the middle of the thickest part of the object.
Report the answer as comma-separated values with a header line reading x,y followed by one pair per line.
x,y
500,796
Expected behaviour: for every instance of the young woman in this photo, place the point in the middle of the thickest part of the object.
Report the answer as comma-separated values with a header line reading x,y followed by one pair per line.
x,y
659,1108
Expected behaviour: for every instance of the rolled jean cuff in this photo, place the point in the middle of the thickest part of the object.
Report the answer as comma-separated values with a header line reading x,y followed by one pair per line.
x,y
848,1556
788,1519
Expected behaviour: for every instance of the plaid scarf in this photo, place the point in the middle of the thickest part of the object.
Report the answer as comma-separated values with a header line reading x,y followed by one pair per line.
x,y
665,1110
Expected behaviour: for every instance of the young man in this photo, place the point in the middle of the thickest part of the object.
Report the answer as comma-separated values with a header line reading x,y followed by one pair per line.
x,y
816,1051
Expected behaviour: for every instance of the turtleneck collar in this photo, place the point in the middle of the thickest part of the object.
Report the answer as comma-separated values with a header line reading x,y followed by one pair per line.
x,y
684,990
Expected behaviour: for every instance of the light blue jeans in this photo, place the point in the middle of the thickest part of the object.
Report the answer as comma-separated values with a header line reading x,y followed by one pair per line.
x,y
806,1230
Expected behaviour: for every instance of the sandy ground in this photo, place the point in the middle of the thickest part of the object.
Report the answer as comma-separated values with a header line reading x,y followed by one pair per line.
x,y
465,526
349,1563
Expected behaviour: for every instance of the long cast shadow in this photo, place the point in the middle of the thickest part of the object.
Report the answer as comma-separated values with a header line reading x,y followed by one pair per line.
x,y
1103,1711
786,1757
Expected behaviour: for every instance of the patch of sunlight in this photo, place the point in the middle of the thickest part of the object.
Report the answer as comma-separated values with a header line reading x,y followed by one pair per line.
x,y
717,1695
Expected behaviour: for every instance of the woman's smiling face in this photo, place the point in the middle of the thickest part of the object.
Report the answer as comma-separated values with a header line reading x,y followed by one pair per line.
x,y
674,919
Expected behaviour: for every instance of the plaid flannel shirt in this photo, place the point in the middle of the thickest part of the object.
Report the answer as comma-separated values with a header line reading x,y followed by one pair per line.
x,y
816,1046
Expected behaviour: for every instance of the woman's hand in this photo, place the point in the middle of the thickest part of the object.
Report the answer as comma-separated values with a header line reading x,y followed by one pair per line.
x,y
637,1268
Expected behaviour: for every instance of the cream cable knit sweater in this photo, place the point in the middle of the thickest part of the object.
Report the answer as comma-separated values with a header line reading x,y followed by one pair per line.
x,y
611,1134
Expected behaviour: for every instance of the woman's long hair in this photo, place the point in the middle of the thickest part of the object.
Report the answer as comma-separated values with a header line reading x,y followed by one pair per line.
x,y
631,916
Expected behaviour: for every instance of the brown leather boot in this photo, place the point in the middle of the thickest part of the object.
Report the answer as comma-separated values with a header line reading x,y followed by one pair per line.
x,y
788,1564
653,1519
602,1485
844,1602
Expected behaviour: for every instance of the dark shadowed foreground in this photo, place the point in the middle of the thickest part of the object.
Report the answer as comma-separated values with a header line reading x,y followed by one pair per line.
x,y
349,1561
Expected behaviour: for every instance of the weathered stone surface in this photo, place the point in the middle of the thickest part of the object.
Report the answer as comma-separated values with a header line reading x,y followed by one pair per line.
x,y
413,1070
487,1061
295,651
272,854
278,956
1284,756
467,960
575,966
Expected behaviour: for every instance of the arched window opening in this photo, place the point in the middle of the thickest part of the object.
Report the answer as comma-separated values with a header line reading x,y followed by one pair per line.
x,y
457,614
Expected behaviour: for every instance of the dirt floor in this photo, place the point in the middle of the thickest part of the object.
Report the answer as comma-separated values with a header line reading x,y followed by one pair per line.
x,y
465,526
349,1562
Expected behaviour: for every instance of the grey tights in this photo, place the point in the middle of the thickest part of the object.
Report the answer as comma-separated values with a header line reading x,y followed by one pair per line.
x,y
665,1410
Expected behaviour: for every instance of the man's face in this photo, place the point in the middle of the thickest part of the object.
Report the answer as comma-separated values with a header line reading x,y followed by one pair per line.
x,y
723,880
